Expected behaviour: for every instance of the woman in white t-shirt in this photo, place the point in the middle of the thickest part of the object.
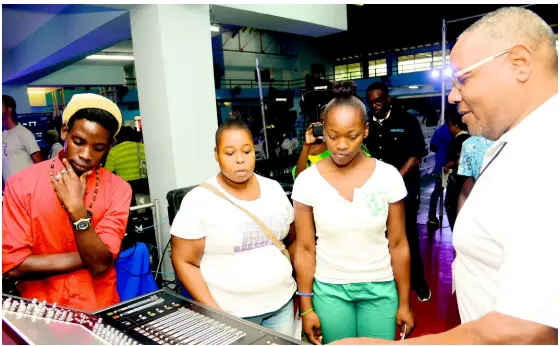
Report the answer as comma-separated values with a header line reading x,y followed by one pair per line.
x,y
221,255
352,258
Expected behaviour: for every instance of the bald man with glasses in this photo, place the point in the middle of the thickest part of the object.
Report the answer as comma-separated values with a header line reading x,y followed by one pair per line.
x,y
507,233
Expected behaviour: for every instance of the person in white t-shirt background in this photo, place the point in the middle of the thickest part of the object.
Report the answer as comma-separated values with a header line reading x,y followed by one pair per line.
x,y
19,147
221,255
51,139
355,279
507,234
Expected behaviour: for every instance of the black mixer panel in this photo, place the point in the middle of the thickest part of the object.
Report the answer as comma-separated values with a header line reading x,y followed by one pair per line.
x,y
164,317
158,318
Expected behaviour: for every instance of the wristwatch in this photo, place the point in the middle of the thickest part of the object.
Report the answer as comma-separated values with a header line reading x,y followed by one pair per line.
x,y
84,223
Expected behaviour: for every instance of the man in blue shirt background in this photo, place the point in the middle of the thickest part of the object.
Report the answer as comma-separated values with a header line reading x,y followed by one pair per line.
x,y
470,164
439,144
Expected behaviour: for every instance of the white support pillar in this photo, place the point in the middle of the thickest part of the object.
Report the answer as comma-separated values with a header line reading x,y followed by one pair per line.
x,y
174,71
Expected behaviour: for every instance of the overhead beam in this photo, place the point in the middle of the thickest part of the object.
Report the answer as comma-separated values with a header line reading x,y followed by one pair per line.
x,y
308,20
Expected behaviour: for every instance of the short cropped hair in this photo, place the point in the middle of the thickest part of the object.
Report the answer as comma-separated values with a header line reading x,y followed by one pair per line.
x,y
231,124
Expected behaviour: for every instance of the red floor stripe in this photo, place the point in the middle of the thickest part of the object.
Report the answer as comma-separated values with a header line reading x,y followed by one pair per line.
x,y
440,313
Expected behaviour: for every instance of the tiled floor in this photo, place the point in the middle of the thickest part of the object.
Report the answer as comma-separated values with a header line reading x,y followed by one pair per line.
x,y
440,312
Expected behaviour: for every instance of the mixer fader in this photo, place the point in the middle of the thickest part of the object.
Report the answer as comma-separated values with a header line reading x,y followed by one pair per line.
x,y
161,317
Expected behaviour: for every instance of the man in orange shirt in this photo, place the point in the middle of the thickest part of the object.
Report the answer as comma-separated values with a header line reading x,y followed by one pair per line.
x,y
64,219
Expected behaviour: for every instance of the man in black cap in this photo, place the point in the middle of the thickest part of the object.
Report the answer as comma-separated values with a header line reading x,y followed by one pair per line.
x,y
396,138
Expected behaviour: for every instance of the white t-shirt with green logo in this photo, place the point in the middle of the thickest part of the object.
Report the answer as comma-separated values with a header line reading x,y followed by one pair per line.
x,y
351,242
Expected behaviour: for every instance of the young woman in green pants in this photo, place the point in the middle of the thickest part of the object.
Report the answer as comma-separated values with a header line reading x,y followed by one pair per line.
x,y
352,259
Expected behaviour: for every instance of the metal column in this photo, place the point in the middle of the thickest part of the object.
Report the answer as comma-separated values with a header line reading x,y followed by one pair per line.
x,y
262,109
443,70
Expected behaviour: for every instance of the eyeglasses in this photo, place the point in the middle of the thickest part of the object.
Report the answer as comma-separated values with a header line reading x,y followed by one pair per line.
x,y
459,84
378,101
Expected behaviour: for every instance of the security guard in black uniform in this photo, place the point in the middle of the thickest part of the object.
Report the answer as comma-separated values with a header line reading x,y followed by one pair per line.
x,y
396,138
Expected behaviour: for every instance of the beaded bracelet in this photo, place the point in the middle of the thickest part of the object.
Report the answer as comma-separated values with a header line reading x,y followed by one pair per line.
x,y
305,313
304,294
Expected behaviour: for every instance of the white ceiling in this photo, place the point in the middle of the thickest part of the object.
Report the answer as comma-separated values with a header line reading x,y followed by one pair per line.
x,y
123,47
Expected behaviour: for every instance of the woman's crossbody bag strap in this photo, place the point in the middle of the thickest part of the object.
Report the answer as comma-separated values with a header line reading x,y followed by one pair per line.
x,y
265,229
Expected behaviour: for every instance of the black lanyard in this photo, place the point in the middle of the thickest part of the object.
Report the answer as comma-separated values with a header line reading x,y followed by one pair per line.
x,y
493,158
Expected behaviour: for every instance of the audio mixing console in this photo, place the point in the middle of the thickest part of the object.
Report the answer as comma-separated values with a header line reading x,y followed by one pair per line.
x,y
158,318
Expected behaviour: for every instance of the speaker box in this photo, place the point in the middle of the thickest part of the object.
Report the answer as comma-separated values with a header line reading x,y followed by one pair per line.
x,y
174,199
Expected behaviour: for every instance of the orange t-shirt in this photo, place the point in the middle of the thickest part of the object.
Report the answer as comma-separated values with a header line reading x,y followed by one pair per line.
x,y
35,223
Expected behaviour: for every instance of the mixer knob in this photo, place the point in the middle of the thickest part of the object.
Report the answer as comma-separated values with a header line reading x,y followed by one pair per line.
x,y
22,307
7,303
63,317
54,306
34,301
29,309
40,312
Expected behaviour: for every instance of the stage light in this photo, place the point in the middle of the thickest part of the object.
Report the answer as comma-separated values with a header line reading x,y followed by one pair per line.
x,y
448,72
35,91
110,57
435,74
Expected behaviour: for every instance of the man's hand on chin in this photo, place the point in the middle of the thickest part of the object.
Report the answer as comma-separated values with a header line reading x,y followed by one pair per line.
x,y
361,341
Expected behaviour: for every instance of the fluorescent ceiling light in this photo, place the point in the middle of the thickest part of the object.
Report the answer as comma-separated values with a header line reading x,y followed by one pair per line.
x,y
413,86
39,91
110,57
214,28
281,99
